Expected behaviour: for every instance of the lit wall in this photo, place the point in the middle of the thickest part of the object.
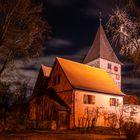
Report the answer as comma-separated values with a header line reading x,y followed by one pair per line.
x,y
101,100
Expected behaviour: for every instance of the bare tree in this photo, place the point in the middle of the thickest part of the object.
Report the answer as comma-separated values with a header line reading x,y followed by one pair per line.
x,y
124,119
124,33
22,31
88,120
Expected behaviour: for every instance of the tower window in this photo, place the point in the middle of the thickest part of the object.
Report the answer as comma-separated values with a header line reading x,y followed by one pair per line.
x,y
117,77
109,66
115,68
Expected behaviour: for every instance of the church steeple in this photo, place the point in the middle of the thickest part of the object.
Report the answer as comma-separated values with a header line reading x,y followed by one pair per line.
x,y
101,48
100,17
101,55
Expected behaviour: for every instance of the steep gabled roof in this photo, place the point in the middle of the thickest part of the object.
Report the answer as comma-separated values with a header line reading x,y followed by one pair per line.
x,y
101,48
42,81
46,70
85,77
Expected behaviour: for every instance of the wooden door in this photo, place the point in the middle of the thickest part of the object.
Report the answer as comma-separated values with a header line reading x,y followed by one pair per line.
x,y
63,120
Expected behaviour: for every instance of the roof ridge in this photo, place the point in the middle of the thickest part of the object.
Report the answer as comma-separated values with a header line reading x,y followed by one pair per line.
x,y
85,65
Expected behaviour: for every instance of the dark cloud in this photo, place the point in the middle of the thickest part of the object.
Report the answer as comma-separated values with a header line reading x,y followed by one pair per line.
x,y
29,68
59,46
131,86
57,42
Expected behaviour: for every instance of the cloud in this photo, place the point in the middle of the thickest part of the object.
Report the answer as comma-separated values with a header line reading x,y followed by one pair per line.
x,y
60,46
75,56
133,92
57,42
31,69
78,56
130,80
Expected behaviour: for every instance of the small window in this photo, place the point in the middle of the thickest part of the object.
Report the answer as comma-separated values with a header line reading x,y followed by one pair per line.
x,y
114,102
117,77
89,99
115,68
56,79
109,66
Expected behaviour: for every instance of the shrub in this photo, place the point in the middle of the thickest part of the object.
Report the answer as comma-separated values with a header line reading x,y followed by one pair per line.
x,y
132,130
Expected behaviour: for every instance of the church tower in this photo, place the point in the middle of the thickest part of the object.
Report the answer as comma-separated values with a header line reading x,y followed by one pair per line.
x,y
101,55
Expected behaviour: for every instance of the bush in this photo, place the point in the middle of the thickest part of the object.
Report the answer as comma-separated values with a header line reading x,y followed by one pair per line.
x,y
132,130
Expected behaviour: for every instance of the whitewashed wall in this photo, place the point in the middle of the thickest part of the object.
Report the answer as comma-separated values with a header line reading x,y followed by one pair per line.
x,y
95,63
112,73
103,64
105,110
101,100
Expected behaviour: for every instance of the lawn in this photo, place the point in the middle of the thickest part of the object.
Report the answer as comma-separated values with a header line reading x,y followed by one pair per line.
x,y
59,135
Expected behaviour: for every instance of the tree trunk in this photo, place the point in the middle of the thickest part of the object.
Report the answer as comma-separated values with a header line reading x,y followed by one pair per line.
x,y
4,65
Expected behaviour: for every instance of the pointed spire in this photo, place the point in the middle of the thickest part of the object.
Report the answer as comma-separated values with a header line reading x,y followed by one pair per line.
x,y
101,48
100,17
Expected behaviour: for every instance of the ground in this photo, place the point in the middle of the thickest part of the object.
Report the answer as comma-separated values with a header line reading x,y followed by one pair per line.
x,y
59,135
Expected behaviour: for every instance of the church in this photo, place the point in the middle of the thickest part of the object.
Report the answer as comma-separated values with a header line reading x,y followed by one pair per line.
x,y
72,94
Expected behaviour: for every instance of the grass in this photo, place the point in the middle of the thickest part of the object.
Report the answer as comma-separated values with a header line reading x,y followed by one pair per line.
x,y
60,135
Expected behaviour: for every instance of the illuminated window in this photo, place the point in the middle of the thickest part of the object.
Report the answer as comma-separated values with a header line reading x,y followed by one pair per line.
x,y
115,68
109,66
114,102
117,77
89,99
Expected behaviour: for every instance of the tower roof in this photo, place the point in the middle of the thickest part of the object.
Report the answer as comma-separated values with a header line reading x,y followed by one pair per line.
x,y
101,48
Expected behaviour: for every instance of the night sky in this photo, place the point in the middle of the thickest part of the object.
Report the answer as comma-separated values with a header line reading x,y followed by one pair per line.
x,y
74,24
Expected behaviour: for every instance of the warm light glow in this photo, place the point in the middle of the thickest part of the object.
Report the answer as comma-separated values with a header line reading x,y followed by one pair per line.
x,y
87,77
